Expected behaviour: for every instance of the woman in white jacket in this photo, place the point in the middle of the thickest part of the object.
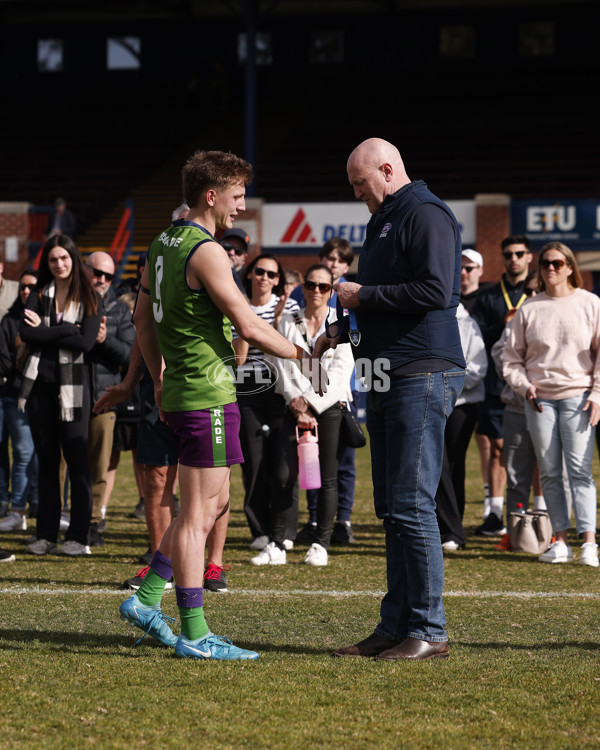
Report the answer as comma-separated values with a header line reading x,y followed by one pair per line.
x,y
305,409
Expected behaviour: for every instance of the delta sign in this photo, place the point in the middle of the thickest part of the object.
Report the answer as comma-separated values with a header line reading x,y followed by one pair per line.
x,y
301,229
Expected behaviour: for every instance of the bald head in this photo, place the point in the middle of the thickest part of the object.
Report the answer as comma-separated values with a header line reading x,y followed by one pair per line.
x,y
376,170
101,271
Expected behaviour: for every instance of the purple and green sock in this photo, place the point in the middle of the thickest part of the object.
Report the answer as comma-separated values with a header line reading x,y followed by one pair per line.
x,y
190,603
151,591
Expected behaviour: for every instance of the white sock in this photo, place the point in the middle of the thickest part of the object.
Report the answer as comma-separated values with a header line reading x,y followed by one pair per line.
x,y
486,507
539,503
496,505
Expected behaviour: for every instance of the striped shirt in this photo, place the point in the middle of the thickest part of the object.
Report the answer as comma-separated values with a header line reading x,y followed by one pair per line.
x,y
267,313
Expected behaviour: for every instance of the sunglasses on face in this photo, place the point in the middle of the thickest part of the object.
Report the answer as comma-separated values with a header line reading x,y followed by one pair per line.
x,y
518,253
468,269
30,287
556,264
528,291
310,286
262,271
99,274
236,250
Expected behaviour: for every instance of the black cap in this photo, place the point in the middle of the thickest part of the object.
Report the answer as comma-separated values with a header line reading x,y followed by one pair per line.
x,y
236,232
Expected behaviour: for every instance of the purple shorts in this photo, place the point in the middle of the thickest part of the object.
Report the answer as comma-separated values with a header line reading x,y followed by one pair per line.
x,y
208,437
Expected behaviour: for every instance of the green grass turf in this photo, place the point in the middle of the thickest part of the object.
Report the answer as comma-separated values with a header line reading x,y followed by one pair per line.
x,y
524,670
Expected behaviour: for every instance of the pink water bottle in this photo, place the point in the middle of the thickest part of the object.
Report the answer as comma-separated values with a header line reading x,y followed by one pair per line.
x,y
309,468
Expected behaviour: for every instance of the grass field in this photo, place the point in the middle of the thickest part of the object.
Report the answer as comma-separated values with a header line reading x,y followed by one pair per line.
x,y
524,670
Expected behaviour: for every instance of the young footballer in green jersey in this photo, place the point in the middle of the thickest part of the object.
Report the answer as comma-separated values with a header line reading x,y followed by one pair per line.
x,y
188,298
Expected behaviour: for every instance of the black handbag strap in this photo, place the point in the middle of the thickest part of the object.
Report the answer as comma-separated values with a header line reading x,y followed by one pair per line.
x,y
301,325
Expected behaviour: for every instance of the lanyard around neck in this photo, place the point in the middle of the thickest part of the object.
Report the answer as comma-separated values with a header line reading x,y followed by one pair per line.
x,y
509,304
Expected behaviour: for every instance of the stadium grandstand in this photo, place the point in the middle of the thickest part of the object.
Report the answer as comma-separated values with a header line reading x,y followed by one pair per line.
x,y
102,102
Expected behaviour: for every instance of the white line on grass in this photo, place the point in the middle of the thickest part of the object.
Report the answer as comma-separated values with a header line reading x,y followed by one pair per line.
x,y
19,591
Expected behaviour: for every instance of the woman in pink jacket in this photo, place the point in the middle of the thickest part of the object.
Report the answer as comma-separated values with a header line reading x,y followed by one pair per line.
x,y
551,360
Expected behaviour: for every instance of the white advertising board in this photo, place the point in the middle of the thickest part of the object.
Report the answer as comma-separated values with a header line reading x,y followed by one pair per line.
x,y
301,227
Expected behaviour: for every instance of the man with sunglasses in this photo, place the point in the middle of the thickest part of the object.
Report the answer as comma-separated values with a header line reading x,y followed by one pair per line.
x,y
493,305
236,243
471,271
110,354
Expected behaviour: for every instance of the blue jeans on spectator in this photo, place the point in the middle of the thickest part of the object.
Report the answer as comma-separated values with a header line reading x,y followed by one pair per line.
x,y
23,454
563,429
406,426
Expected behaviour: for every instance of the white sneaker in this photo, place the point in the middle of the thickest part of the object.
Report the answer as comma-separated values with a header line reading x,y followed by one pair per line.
x,y
74,549
316,555
14,522
557,552
41,547
270,555
589,554
260,542
288,544
450,546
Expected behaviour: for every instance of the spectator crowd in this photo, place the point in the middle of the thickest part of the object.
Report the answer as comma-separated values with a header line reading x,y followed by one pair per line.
x,y
76,394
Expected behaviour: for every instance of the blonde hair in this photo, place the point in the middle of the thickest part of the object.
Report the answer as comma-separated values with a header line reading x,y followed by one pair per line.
x,y
574,280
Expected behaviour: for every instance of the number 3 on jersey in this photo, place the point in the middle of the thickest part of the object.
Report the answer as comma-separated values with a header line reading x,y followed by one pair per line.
x,y
157,308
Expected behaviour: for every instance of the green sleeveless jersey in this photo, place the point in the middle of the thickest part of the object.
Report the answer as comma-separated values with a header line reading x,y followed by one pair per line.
x,y
194,335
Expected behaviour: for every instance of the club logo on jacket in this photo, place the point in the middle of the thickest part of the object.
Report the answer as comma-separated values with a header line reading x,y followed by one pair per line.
x,y
385,230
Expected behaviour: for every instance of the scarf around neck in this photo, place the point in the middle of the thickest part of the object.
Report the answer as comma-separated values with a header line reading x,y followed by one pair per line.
x,y
70,364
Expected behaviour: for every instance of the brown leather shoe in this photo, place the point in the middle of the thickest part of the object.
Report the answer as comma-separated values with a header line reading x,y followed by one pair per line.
x,y
371,646
414,649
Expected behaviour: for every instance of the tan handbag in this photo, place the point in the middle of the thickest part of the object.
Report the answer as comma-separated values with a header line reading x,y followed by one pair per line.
x,y
530,532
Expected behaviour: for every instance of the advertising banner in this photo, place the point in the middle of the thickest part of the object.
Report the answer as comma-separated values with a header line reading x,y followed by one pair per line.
x,y
574,222
300,228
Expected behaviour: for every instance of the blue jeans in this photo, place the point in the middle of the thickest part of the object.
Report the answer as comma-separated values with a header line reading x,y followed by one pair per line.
x,y
406,427
563,429
24,462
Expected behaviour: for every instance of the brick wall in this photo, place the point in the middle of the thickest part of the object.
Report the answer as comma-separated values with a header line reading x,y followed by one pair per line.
x,y
14,222
493,225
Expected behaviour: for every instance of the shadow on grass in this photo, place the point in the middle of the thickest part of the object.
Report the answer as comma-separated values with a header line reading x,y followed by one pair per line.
x,y
551,646
16,639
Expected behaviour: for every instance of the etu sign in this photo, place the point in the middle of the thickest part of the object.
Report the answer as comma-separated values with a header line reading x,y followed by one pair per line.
x,y
576,223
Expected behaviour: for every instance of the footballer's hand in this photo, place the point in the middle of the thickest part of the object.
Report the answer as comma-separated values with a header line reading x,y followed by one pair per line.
x,y
114,394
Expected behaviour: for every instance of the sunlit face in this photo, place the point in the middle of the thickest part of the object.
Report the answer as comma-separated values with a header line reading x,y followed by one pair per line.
x,y
60,263
101,272
516,266
557,274
335,264
228,202
27,283
369,182
261,283
470,273
317,297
